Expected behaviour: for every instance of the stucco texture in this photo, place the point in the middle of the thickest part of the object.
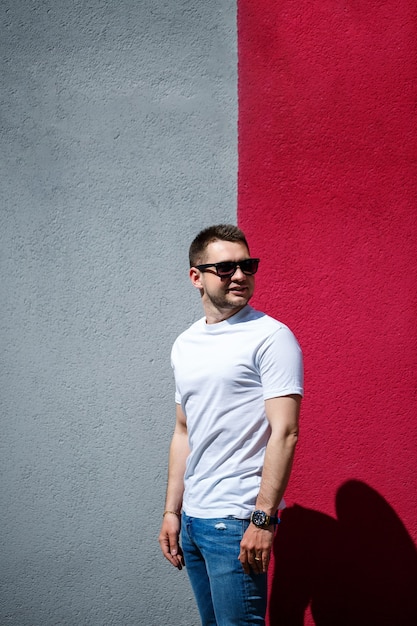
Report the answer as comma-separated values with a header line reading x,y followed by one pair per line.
x,y
327,191
118,132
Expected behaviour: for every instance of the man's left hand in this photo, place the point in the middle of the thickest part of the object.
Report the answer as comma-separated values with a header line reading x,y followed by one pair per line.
x,y
255,549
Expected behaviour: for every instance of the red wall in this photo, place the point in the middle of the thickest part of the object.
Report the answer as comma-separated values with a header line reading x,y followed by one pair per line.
x,y
327,196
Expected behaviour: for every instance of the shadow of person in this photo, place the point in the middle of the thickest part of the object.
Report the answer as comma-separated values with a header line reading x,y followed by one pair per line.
x,y
358,570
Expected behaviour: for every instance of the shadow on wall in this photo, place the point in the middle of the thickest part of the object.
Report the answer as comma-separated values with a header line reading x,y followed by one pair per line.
x,y
358,570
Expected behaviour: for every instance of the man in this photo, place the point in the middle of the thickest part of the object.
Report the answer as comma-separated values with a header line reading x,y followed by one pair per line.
x,y
239,383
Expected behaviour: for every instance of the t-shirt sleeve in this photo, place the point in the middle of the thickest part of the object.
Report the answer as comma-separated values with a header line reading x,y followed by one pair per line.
x,y
177,395
280,363
177,391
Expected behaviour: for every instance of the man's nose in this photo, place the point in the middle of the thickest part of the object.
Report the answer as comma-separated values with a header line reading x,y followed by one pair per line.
x,y
238,274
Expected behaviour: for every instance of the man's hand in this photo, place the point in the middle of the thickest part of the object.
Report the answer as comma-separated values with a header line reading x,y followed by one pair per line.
x,y
169,540
255,549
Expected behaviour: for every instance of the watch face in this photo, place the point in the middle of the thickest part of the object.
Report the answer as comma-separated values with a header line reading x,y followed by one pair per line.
x,y
259,518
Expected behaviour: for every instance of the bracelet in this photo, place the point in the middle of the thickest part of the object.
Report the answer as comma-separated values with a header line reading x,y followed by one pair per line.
x,y
173,513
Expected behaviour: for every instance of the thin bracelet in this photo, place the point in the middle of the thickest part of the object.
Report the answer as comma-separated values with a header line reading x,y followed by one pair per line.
x,y
173,513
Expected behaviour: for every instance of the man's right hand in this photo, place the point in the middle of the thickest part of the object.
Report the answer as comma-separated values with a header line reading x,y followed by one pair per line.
x,y
169,540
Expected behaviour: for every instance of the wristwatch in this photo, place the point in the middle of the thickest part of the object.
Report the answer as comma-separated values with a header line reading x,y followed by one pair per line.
x,y
262,520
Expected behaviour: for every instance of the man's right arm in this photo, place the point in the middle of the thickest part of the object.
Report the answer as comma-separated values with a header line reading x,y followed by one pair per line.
x,y
170,530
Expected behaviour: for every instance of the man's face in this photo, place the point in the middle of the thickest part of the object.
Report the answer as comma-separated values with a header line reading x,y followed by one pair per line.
x,y
226,295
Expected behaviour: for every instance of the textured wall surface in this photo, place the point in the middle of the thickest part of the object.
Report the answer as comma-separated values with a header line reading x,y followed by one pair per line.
x,y
327,194
118,133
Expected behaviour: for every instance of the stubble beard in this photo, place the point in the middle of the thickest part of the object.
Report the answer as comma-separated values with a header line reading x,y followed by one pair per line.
x,y
223,302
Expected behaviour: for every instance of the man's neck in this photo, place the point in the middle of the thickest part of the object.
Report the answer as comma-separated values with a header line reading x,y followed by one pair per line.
x,y
214,315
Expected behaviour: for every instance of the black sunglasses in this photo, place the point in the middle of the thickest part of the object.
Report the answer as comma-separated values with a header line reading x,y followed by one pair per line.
x,y
226,269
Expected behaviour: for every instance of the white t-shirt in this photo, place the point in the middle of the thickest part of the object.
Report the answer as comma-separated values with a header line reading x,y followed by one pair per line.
x,y
223,373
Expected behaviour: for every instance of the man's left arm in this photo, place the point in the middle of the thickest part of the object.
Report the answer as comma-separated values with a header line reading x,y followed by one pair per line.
x,y
282,414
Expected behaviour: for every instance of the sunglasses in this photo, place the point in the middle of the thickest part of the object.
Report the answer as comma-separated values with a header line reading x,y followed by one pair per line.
x,y
226,269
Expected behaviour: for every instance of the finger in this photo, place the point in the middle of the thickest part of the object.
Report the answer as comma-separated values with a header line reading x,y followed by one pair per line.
x,y
265,562
171,550
177,558
254,563
257,563
244,561
181,560
175,555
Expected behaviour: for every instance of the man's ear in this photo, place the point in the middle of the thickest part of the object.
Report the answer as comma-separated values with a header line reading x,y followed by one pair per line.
x,y
195,275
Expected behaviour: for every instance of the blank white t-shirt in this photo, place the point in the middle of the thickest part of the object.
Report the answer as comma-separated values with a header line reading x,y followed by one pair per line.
x,y
223,373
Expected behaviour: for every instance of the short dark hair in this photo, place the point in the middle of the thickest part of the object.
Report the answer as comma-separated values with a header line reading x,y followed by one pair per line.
x,y
222,232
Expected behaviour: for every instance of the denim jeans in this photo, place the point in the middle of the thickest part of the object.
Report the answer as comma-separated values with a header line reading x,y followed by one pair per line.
x,y
225,595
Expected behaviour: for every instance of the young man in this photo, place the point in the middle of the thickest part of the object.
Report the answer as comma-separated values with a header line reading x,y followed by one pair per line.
x,y
239,382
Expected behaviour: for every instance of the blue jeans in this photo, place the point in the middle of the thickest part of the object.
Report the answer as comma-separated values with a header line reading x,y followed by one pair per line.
x,y
225,595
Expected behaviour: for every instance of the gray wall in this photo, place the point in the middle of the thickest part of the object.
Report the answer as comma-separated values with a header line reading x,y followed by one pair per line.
x,y
118,135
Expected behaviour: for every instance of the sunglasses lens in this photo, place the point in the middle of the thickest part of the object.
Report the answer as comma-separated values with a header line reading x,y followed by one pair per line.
x,y
249,266
227,268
